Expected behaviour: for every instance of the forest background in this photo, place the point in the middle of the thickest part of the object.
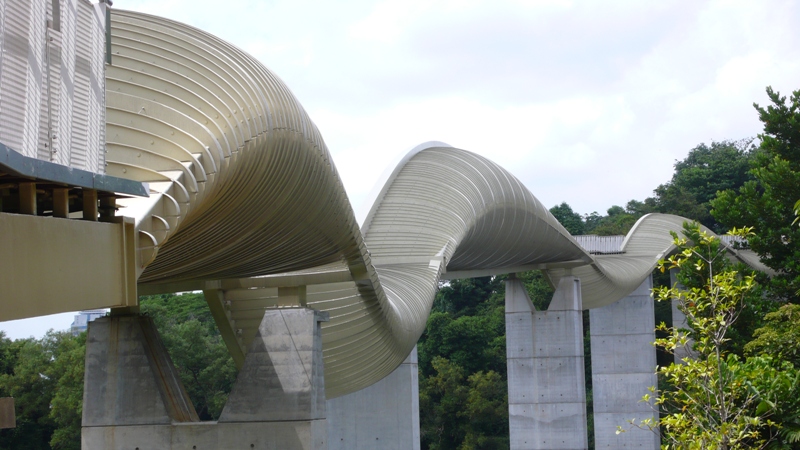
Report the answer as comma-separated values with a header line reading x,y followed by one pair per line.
x,y
463,391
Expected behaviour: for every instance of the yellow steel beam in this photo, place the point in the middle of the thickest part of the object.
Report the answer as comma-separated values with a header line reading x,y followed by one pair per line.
x,y
51,265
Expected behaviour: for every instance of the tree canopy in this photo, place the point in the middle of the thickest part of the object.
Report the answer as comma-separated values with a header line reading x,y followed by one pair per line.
x,y
766,202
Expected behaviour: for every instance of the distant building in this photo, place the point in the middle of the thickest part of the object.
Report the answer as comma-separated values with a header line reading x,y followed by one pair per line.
x,y
82,320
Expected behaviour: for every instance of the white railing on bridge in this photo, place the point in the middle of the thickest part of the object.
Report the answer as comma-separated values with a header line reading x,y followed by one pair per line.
x,y
600,245
610,245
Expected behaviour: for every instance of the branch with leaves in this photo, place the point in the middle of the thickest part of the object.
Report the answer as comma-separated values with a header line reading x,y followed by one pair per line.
x,y
714,400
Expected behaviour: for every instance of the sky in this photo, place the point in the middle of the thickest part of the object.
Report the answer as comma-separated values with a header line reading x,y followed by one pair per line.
x,y
586,102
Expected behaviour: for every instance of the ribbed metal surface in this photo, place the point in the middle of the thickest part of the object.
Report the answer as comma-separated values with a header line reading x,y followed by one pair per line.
x,y
245,200
52,79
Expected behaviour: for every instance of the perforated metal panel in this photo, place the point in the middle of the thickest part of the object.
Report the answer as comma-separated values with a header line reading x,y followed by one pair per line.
x,y
52,76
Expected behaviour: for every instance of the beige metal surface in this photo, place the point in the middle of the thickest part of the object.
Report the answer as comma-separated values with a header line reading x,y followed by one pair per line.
x,y
92,270
247,206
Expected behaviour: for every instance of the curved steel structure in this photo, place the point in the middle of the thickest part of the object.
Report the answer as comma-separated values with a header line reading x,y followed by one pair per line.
x,y
244,194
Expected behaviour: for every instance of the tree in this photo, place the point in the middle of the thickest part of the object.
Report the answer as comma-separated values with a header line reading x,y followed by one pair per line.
x,y
618,222
714,401
767,201
777,340
191,337
779,335
45,377
705,171
66,407
568,218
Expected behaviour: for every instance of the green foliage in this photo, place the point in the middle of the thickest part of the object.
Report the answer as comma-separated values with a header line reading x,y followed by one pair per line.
x,y
45,377
463,412
767,202
66,407
618,222
780,335
191,337
568,218
465,297
697,179
715,400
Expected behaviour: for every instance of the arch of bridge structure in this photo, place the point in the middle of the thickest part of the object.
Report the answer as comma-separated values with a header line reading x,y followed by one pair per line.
x,y
244,195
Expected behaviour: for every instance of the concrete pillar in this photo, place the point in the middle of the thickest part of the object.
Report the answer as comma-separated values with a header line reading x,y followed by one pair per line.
x,y
384,415
133,397
544,354
623,368
679,320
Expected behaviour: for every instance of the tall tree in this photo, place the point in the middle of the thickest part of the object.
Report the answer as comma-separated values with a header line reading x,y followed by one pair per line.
x,y
705,171
767,201
571,220
717,401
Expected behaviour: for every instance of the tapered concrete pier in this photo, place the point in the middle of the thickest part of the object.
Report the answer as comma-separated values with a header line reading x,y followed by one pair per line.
x,y
546,386
623,368
133,397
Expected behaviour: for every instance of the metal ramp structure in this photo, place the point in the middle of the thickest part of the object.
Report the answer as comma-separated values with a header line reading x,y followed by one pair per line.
x,y
209,175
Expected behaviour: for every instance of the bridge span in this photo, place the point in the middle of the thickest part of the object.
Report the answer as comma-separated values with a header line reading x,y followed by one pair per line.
x,y
205,173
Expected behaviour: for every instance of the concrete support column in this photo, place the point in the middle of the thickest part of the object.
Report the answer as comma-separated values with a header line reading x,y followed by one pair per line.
x,y
623,368
384,415
544,353
679,320
133,397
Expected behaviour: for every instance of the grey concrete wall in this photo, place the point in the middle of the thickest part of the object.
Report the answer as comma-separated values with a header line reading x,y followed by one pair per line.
x,y
679,321
623,368
546,386
384,415
133,398
282,377
123,356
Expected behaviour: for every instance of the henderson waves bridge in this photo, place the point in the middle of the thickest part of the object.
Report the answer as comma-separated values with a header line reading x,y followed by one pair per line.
x,y
193,167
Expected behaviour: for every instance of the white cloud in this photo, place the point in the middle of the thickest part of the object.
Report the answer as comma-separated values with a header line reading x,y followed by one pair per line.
x,y
587,102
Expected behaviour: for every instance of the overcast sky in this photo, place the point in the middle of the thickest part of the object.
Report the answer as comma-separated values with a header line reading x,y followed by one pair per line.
x,y
586,102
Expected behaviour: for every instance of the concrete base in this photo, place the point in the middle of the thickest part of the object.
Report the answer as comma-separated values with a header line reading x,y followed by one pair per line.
x,y
544,354
133,397
623,368
384,415
305,435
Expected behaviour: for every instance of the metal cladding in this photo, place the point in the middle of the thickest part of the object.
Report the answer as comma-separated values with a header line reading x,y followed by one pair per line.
x,y
244,194
51,77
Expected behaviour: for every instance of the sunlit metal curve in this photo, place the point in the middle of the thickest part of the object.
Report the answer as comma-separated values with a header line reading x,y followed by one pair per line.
x,y
244,193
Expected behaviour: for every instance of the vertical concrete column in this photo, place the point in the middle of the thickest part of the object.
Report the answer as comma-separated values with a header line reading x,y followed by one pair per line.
x,y
679,320
623,368
384,415
544,354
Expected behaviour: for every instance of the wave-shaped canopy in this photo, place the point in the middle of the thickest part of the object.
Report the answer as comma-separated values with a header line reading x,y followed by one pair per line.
x,y
246,199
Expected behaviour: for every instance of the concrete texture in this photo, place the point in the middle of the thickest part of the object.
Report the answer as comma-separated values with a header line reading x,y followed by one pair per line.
x,y
679,321
129,377
293,435
133,398
623,368
282,377
384,415
544,354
